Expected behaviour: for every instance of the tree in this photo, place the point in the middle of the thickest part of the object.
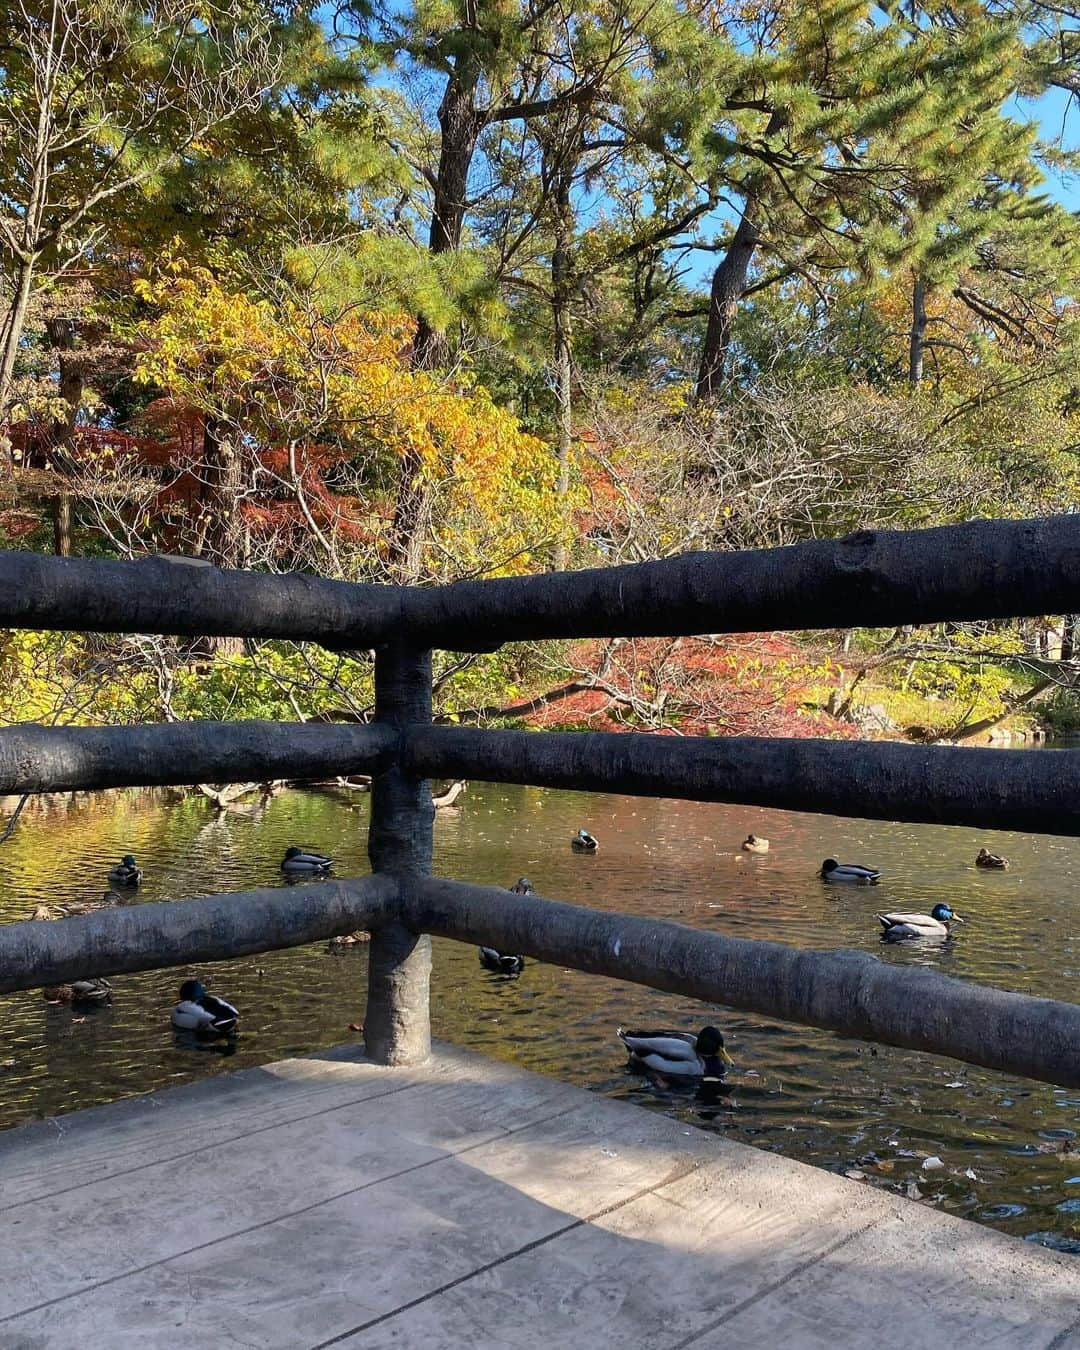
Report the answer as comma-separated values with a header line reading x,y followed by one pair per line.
x,y
100,100
313,406
839,121
497,64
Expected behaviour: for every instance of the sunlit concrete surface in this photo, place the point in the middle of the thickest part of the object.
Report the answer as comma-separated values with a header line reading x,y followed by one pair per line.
x,y
327,1201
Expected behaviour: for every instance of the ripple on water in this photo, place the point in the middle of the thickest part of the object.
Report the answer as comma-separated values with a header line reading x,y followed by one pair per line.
x,y
799,1091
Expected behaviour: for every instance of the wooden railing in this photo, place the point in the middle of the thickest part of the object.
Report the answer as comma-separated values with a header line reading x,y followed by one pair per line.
x,y
986,569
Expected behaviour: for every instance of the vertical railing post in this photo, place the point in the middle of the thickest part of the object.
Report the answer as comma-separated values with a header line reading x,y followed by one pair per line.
x,y
397,1028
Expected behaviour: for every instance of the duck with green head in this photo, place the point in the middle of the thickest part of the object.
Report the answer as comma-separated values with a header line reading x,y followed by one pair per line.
x,y
678,1055
937,924
127,872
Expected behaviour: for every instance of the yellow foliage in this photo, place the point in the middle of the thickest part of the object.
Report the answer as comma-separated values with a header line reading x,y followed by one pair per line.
x,y
288,373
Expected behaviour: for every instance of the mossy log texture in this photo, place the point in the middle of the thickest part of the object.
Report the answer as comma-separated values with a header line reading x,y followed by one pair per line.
x,y
188,932
942,785
848,992
67,759
397,1027
980,570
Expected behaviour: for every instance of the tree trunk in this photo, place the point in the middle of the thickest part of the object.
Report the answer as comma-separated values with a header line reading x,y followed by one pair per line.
x,y
971,730
730,277
412,511
1068,637
918,330
11,331
220,476
562,324
221,530
460,122
62,335
728,289
62,525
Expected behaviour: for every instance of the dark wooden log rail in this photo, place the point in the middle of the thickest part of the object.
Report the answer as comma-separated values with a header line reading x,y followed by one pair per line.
x,y
70,759
941,785
851,993
184,932
848,992
981,570
397,1028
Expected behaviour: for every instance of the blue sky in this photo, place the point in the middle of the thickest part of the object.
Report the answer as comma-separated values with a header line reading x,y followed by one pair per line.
x,y
1057,115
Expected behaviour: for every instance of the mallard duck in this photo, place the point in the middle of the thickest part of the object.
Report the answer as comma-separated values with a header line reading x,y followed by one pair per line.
x,y
935,924
353,939
490,959
203,1013
71,908
583,842
677,1054
79,991
301,860
987,859
523,886
127,872
753,843
853,873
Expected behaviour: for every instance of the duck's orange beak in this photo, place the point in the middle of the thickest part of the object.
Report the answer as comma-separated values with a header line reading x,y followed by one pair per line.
x,y
725,1056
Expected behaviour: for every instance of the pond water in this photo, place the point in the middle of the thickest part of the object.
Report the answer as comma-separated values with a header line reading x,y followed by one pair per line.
x,y
976,1143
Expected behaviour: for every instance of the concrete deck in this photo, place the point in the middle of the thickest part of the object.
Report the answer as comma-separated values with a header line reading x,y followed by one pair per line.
x,y
325,1201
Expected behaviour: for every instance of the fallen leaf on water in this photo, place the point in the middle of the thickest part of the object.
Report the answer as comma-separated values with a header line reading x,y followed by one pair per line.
x,y
929,1164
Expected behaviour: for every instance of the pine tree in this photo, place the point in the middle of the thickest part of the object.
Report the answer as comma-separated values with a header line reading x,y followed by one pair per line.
x,y
843,121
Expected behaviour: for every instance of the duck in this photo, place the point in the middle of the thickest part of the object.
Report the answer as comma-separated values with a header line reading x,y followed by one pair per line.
x,y
987,859
79,991
127,872
301,860
935,924
853,873
583,842
353,939
753,843
203,1013
678,1054
71,908
490,959
523,886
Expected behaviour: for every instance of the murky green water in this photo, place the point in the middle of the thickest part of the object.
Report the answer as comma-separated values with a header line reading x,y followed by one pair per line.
x,y
1005,1146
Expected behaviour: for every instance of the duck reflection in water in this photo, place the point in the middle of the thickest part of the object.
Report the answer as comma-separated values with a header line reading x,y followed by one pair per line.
x,y
188,1040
